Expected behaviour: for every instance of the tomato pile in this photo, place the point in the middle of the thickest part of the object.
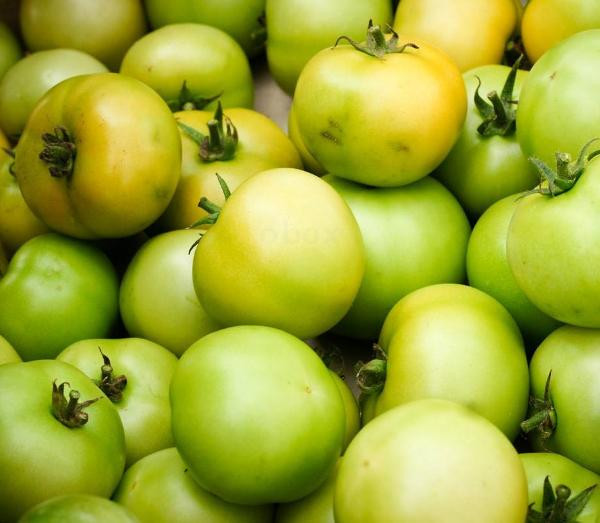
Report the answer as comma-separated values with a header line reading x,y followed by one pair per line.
x,y
390,313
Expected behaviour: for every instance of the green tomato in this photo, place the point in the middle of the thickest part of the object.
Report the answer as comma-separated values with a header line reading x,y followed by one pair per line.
x,y
414,236
430,461
488,270
561,471
259,145
317,507
164,310
7,353
350,408
558,109
232,395
557,268
10,50
103,29
135,375
308,160
188,64
78,508
387,139
159,489
57,290
30,78
298,29
238,18
285,252
570,416
457,343
485,166
51,444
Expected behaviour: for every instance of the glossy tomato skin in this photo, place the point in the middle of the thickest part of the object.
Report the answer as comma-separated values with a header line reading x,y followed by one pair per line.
x,y
7,353
557,107
558,271
17,222
297,30
127,163
397,461
239,397
573,356
488,270
144,404
57,290
561,471
164,310
78,507
414,236
270,234
29,79
10,50
391,139
159,489
261,145
40,457
467,348
238,18
480,42
480,170
206,58
548,22
104,30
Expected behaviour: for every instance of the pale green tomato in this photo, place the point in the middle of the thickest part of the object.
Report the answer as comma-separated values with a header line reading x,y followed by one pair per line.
x,y
10,50
7,353
350,408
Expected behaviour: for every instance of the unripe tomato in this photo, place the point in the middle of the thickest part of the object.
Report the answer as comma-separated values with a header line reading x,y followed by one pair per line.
x,y
10,50
78,507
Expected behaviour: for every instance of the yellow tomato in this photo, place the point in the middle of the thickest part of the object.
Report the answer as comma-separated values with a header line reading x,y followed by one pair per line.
x,y
471,32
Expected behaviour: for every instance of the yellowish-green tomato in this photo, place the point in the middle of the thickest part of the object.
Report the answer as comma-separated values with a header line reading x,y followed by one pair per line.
x,y
471,32
7,353
350,407
10,50
547,22
308,160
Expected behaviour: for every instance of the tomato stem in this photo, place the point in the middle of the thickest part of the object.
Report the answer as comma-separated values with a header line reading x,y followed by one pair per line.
x,y
556,506
370,376
188,101
69,413
543,416
59,152
112,386
376,43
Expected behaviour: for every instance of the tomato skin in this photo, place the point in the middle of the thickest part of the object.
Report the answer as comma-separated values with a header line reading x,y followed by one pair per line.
x,y
481,170
573,356
558,272
104,30
489,271
159,489
547,22
563,471
467,349
246,380
308,160
144,407
416,116
57,290
7,353
42,458
78,507
128,157
298,29
166,311
175,53
397,461
350,408
262,145
10,50
425,240
29,79
238,18
480,42
557,107
269,234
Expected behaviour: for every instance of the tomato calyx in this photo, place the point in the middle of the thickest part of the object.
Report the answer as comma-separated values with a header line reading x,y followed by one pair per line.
x,y
557,507
370,376
543,416
220,143
499,118
59,152
188,101
376,44
564,178
12,155
112,386
70,413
